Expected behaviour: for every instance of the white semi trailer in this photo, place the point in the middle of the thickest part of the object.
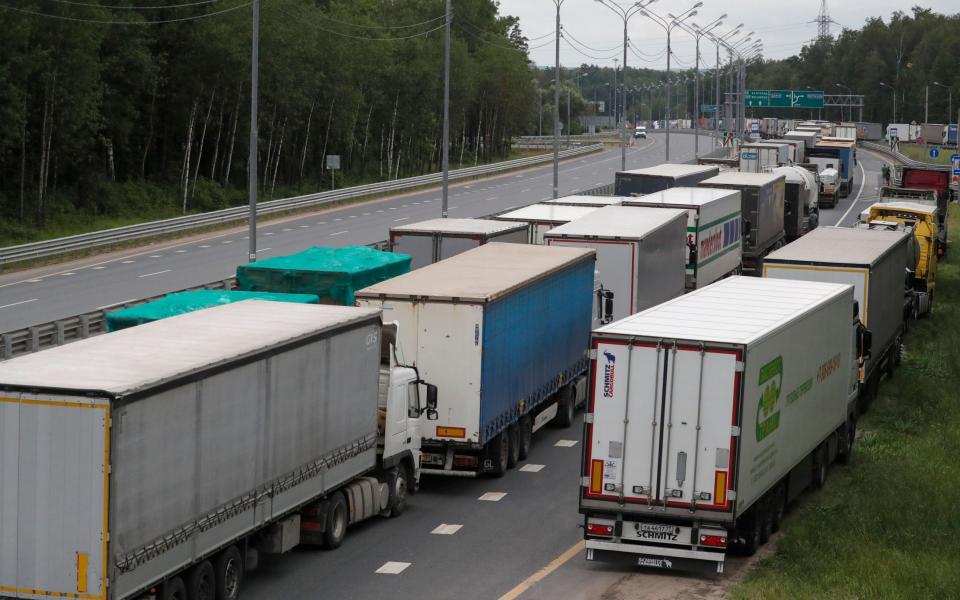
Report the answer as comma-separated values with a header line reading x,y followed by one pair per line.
x,y
158,461
708,414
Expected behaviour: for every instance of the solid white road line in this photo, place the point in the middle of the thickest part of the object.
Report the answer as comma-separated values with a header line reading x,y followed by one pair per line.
x,y
492,496
152,274
863,179
393,568
446,529
19,303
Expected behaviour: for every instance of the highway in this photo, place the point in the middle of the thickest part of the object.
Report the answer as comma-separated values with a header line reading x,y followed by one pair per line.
x,y
43,295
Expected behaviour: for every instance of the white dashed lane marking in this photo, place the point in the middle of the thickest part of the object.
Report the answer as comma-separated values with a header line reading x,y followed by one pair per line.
x,y
492,496
152,274
445,529
127,262
393,568
529,468
566,443
19,303
400,219
338,233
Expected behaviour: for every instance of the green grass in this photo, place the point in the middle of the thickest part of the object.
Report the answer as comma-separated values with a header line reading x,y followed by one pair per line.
x,y
888,525
921,152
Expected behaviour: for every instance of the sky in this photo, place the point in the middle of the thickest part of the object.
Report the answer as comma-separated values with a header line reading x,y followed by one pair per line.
x,y
783,26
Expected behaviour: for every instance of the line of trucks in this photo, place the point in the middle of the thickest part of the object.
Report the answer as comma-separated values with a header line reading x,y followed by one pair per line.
x,y
161,460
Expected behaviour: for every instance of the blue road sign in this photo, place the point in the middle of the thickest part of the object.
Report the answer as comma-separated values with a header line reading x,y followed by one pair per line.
x,y
935,152
955,157
708,108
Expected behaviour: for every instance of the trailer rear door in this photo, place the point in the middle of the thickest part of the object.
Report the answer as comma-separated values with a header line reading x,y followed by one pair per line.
x,y
663,429
53,496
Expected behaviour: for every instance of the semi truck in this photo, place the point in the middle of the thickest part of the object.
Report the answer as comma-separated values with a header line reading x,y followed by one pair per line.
x,y
809,139
503,332
433,240
649,180
869,131
920,220
936,180
795,149
710,413
160,461
932,133
843,155
761,207
594,201
640,256
762,156
874,263
540,218
846,131
801,208
713,243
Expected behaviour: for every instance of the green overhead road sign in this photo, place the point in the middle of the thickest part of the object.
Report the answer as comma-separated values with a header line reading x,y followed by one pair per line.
x,y
783,99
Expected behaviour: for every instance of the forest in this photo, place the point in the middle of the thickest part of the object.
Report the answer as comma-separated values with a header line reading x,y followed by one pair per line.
x,y
130,113
111,115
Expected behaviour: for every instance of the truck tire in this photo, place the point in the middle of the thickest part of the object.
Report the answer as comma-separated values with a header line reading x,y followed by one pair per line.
x,y
513,456
820,467
498,451
778,506
898,352
173,589
228,573
337,521
565,408
399,481
752,531
526,436
845,453
201,582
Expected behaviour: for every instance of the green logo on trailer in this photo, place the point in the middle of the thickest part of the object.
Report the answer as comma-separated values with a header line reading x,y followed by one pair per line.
x,y
768,411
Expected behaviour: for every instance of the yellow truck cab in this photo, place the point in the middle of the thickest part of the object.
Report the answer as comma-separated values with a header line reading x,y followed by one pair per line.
x,y
921,219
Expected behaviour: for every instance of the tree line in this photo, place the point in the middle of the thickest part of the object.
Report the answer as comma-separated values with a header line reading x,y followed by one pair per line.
x,y
108,111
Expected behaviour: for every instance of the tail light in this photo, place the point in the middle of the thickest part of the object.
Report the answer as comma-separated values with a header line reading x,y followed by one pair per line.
x,y
465,461
598,529
714,541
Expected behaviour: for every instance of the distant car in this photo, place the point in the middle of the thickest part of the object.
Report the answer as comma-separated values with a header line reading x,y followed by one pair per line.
x,y
640,132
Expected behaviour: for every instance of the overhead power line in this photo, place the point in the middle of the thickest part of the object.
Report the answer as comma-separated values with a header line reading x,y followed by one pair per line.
x,y
112,22
141,7
360,37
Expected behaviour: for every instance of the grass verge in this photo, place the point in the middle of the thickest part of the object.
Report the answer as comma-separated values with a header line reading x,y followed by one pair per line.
x,y
888,525
921,152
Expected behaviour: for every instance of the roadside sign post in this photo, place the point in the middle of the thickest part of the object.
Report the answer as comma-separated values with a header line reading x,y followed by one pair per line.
x,y
934,152
955,179
333,165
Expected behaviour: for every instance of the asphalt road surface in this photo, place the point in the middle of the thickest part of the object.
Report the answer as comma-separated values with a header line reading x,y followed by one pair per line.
x,y
43,295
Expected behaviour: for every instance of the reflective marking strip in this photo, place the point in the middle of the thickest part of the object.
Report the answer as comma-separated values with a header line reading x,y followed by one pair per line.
x,y
596,476
720,487
81,572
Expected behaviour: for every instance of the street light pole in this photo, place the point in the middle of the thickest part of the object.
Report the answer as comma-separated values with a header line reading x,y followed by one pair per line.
x,y
894,90
668,26
254,94
556,107
446,110
697,32
950,105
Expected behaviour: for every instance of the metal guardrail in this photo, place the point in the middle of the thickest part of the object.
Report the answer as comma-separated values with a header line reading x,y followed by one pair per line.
x,y
906,160
99,239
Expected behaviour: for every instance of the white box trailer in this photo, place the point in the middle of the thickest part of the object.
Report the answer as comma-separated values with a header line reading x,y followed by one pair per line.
x,y
639,182
436,239
192,442
795,150
595,201
640,256
503,331
712,246
809,138
710,412
761,157
540,218
874,263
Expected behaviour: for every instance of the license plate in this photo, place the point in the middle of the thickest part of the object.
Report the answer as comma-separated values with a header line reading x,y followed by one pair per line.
x,y
658,533
656,528
431,459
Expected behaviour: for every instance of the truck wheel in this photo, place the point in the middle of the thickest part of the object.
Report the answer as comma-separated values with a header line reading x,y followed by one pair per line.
x,y
565,408
752,532
778,506
766,518
820,467
228,573
526,436
898,352
336,521
201,583
513,434
173,589
498,450
846,442
399,480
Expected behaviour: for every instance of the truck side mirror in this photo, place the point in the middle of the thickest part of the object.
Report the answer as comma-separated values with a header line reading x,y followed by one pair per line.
x,y
431,399
608,308
864,342
746,228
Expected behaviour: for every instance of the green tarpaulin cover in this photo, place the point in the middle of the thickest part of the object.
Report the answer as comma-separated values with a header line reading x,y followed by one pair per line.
x,y
184,302
333,274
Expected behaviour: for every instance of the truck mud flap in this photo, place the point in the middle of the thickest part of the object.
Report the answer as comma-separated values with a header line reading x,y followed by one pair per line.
x,y
665,559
